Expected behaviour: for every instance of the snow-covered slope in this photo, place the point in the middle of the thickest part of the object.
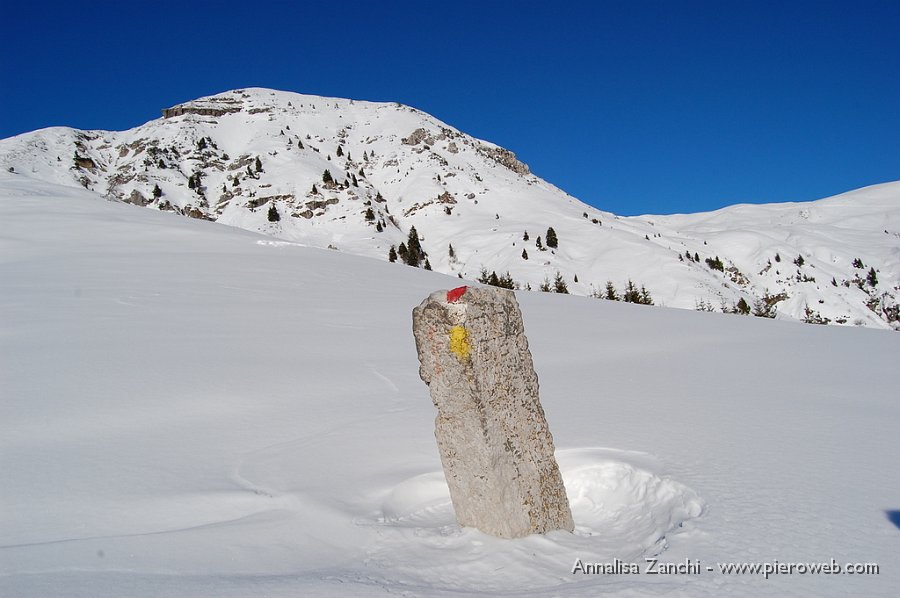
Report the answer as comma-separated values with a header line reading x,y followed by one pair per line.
x,y
239,156
195,410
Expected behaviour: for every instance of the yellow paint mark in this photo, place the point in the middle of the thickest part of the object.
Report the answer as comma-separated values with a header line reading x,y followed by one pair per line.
x,y
459,342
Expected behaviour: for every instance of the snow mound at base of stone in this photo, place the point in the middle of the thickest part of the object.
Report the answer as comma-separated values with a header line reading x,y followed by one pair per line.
x,y
623,509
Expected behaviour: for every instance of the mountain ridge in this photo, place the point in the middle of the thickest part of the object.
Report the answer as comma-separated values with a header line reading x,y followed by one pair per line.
x,y
234,157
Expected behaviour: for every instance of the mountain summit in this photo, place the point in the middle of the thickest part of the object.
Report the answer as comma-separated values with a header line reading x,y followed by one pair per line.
x,y
388,181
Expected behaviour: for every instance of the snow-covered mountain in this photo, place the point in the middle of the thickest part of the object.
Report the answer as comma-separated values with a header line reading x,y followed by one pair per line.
x,y
257,159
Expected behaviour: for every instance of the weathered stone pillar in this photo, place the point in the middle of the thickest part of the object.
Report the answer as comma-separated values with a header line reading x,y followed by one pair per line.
x,y
494,442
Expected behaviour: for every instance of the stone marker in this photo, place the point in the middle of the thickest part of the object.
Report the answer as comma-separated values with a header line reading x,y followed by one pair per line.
x,y
494,442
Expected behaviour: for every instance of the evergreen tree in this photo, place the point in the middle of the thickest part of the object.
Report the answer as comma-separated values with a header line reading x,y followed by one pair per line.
x,y
339,152
645,296
258,164
551,239
525,236
326,177
392,255
274,216
696,257
742,307
378,227
559,284
414,253
314,190
872,277
451,253
427,264
611,293
631,294
715,264
402,253
575,279
799,261
545,286
538,244
524,254
370,215
157,192
355,181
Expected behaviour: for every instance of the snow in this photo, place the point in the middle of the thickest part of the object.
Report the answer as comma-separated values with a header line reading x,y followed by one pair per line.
x,y
197,410
494,205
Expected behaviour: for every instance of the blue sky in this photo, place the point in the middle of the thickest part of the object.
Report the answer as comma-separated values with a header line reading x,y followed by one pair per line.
x,y
634,107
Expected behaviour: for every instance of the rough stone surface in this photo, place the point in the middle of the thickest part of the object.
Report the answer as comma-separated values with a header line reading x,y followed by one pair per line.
x,y
495,446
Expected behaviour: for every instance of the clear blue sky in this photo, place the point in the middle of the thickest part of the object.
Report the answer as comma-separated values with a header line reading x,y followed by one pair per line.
x,y
635,107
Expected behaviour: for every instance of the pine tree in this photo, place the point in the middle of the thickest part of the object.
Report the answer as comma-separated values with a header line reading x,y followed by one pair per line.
x,y
414,253
402,252
645,296
427,264
326,177
551,239
157,192
559,284
538,244
258,164
274,216
611,293
872,277
378,227
392,255
370,215
715,264
696,257
524,254
339,152
355,181
451,253
314,190
742,307
631,294
525,236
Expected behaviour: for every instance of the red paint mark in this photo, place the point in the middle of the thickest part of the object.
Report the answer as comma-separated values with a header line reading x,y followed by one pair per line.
x,y
454,295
